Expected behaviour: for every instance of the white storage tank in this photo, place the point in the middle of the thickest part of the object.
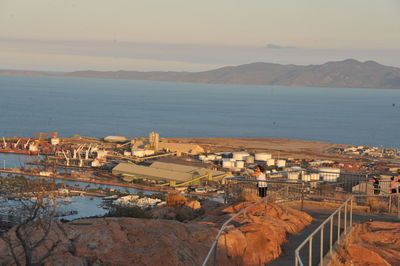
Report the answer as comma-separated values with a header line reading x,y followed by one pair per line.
x,y
270,162
138,152
250,159
239,164
262,156
218,158
202,157
127,153
292,175
240,155
148,152
310,177
329,174
280,163
227,163
211,157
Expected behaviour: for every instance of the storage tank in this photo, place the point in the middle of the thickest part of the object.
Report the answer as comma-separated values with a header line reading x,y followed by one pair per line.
x,y
239,164
218,158
148,152
250,159
211,157
202,157
280,163
262,156
240,155
227,163
329,174
310,177
270,162
138,152
292,175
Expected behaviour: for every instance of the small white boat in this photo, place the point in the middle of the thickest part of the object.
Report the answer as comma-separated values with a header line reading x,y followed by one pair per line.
x,y
67,200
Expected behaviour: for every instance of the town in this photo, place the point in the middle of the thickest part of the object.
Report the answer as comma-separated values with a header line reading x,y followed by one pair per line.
x,y
159,164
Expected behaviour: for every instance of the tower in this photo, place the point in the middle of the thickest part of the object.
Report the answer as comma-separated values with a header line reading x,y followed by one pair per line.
x,y
154,138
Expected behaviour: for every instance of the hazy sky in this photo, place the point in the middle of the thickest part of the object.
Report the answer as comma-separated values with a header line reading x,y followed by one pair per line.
x,y
194,35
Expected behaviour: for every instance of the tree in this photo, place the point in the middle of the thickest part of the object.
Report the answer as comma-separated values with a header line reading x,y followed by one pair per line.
x,y
37,234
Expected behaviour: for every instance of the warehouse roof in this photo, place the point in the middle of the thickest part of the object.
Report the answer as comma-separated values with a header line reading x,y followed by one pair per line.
x,y
183,168
181,147
134,169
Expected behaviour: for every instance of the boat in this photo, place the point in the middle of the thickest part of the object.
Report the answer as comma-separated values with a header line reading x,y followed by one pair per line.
x,y
67,200
113,197
26,152
65,213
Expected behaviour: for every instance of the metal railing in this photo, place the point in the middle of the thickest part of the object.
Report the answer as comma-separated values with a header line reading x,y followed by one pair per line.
x,y
383,203
280,194
333,229
236,187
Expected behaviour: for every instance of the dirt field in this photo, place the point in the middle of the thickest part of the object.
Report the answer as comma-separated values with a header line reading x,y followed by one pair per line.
x,y
277,147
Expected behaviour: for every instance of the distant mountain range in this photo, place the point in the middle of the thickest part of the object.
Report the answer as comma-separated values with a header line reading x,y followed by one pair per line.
x,y
349,73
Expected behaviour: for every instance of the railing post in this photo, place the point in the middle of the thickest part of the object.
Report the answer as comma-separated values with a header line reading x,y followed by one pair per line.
x,y
351,213
310,251
345,218
265,208
338,226
398,206
302,196
331,235
321,250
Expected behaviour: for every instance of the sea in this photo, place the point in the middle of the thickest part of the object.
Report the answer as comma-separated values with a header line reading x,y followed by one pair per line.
x,y
103,107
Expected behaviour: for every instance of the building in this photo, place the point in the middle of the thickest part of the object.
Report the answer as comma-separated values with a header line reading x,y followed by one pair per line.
x,y
140,171
194,170
163,171
181,148
154,139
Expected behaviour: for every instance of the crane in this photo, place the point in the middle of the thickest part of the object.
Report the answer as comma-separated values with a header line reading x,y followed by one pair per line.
x,y
66,157
26,144
16,144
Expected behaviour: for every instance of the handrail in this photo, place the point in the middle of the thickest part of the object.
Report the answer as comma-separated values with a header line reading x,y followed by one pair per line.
x,y
267,181
215,242
320,228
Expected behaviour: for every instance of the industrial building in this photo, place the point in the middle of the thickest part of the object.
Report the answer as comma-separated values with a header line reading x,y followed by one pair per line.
x,y
181,148
140,171
163,171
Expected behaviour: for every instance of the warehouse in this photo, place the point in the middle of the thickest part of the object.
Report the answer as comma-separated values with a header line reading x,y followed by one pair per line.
x,y
140,171
182,148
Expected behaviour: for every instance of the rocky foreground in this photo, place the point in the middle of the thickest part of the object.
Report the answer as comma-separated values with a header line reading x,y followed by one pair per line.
x,y
371,243
253,239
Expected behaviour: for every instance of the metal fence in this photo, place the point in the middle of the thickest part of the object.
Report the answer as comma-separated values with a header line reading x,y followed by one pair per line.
x,y
384,203
280,195
356,188
320,243
241,187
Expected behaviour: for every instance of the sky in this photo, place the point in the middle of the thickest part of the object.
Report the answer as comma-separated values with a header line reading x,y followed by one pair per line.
x,y
189,35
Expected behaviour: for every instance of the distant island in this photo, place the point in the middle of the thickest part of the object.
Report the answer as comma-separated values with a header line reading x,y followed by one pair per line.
x,y
348,73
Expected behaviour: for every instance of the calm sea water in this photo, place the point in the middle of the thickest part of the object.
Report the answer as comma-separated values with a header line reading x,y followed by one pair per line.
x,y
98,107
